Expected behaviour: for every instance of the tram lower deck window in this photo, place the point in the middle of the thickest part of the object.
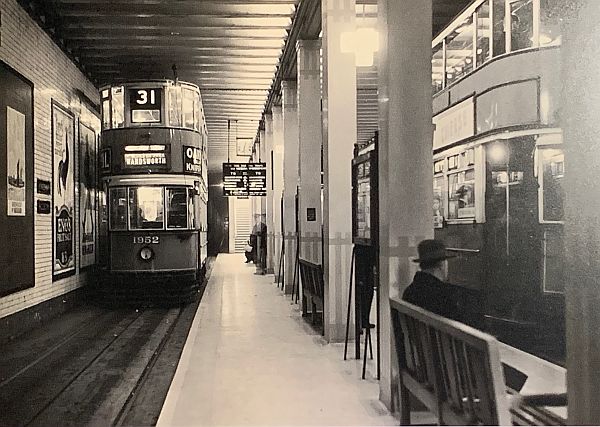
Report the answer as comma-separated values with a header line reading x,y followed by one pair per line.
x,y
177,207
146,208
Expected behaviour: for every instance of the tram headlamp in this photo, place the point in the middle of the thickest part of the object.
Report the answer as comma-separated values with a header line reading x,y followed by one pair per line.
x,y
146,253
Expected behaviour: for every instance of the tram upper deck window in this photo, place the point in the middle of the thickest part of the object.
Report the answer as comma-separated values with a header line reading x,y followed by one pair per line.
x,y
145,105
484,33
437,68
498,29
551,177
118,107
175,95
459,51
521,24
188,108
118,208
550,21
146,208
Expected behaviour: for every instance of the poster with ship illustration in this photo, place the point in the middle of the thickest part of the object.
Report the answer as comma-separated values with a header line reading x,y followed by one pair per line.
x,y
63,190
87,196
15,162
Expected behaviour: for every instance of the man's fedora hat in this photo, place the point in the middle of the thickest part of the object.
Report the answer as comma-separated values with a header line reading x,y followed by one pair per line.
x,y
432,250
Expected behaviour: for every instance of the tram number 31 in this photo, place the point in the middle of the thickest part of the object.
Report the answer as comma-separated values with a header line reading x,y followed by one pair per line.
x,y
143,96
148,240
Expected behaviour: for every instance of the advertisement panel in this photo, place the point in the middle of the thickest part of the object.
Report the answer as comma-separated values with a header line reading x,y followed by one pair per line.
x,y
63,182
88,211
15,162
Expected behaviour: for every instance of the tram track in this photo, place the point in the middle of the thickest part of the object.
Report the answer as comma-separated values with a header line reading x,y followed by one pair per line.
x,y
92,375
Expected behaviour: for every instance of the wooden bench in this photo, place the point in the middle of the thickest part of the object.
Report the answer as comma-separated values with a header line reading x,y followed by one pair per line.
x,y
312,291
455,371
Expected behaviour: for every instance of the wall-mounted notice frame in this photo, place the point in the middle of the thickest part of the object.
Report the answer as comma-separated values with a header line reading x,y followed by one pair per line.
x,y
365,199
88,209
244,179
63,195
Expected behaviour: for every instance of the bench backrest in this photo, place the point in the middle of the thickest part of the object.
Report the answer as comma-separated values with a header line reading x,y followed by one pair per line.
x,y
461,364
311,275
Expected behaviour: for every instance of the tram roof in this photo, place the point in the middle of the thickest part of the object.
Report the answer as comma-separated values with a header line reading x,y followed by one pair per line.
x,y
236,51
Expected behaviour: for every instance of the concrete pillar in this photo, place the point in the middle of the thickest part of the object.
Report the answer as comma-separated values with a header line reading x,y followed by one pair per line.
x,y
580,53
291,174
339,137
309,136
271,127
277,189
405,153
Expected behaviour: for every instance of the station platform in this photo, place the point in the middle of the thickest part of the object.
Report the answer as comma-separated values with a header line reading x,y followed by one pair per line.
x,y
251,359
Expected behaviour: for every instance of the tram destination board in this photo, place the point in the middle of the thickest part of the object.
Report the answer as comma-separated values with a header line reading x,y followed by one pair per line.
x,y
244,179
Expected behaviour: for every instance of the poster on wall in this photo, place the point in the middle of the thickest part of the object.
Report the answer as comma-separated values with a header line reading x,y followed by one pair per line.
x,y
15,162
87,196
64,191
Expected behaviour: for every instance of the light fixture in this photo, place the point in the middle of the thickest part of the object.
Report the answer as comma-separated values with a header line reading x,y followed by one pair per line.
x,y
363,42
146,253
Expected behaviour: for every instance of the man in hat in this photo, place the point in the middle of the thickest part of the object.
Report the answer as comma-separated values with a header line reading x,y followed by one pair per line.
x,y
429,289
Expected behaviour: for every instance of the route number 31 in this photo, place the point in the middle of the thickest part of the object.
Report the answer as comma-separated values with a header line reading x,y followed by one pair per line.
x,y
146,96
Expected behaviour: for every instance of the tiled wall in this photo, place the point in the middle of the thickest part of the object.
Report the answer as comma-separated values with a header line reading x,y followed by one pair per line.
x,y
25,47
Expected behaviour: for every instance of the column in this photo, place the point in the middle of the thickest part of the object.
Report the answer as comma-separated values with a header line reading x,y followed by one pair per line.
x,y
405,144
291,174
309,136
580,54
277,189
264,204
339,137
271,226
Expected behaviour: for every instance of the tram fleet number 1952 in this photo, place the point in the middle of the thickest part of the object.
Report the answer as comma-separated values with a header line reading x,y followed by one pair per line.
x,y
146,239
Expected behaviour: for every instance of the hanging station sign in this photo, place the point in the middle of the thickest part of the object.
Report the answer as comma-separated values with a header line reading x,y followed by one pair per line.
x,y
244,179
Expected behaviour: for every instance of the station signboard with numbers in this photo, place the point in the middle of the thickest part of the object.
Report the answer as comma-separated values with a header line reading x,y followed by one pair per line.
x,y
244,179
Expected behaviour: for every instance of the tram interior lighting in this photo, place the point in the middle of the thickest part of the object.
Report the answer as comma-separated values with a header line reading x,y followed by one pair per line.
x,y
144,148
499,153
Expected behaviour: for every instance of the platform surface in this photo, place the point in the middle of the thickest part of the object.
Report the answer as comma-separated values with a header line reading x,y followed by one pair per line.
x,y
251,359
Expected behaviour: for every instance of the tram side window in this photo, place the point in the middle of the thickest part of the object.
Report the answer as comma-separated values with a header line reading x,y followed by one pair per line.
x,y
118,208
498,31
118,107
438,201
550,22
175,106
192,203
146,208
459,51
553,172
177,208
521,24
484,33
437,68
197,112
461,186
188,108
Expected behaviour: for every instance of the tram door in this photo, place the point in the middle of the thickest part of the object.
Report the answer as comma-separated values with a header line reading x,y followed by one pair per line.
x,y
511,236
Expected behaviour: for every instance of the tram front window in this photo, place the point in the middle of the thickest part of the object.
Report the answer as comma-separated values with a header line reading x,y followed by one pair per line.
x,y
118,208
177,208
146,208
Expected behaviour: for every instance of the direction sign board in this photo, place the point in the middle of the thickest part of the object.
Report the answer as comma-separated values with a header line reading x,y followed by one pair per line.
x,y
244,179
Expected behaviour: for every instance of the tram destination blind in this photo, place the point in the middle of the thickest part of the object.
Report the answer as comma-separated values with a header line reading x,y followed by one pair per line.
x,y
244,179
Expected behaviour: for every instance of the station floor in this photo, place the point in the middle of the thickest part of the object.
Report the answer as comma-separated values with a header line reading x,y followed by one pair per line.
x,y
251,359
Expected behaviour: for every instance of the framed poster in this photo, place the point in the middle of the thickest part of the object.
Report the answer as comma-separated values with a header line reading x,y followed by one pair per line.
x,y
16,179
63,196
88,210
17,209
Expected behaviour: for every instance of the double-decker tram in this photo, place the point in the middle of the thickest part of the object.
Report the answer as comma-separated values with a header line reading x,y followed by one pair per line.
x,y
498,165
153,169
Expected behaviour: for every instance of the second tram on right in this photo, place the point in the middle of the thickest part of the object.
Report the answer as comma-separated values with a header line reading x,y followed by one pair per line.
x,y
498,161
